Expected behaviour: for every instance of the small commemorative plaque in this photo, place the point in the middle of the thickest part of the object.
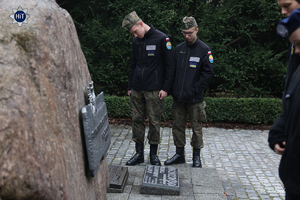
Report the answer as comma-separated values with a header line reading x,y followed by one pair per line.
x,y
118,176
160,180
96,129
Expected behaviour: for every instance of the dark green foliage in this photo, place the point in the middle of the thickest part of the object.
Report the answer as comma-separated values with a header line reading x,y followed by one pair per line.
x,y
249,59
168,107
117,106
243,110
233,110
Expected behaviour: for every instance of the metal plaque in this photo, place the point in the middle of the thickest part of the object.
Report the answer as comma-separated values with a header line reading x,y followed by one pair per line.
x,y
96,129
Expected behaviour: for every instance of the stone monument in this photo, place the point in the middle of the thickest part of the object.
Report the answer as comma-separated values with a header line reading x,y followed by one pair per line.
x,y
43,80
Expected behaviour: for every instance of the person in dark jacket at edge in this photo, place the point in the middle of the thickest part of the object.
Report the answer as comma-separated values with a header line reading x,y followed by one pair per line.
x,y
194,68
284,135
149,81
277,131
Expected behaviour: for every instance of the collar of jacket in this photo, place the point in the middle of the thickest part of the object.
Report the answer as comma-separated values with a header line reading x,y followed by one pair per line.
x,y
150,32
194,44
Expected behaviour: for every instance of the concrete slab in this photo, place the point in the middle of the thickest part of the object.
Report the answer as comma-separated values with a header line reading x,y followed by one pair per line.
x,y
195,183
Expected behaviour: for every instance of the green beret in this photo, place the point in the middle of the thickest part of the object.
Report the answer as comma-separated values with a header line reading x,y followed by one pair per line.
x,y
130,20
188,22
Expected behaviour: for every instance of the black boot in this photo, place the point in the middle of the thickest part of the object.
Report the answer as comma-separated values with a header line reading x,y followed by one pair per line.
x,y
138,156
196,158
177,158
153,155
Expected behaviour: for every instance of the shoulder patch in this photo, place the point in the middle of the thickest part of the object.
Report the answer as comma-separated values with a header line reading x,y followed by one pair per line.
x,y
210,57
168,44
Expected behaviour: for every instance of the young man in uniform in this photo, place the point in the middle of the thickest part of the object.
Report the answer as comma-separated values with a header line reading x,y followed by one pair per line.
x,y
194,68
149,82
290,119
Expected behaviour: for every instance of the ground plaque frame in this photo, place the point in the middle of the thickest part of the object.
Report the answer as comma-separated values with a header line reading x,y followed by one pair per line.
x,y
118,176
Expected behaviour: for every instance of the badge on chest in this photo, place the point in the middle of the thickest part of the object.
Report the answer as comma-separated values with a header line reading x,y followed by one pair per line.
x,y
150,50
194,61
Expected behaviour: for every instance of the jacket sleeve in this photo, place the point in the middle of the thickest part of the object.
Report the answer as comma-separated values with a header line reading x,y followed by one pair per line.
x,y
277,132
132,68
206,73
168,56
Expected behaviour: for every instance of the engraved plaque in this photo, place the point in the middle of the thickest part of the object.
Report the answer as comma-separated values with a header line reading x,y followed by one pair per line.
x,y
160,180
96,131
118,176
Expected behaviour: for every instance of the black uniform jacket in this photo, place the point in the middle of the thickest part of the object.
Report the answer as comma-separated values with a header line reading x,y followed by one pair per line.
x,y
287,126
151,62
289,169
193,71
277,131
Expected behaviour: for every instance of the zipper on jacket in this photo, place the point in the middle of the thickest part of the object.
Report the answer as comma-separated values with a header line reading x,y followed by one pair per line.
x,y
187,60
144,48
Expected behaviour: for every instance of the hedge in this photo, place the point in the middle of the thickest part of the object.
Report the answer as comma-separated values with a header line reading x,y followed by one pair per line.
x,y
229,110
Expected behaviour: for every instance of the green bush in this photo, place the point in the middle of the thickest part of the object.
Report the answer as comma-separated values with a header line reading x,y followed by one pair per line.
x,y
243,110
117,106
229,110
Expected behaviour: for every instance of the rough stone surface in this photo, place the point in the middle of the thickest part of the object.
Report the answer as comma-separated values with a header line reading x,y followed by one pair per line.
x,y
43,80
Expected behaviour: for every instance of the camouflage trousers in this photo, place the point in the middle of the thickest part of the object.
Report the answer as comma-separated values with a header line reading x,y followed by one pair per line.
x,y
143,104
196,112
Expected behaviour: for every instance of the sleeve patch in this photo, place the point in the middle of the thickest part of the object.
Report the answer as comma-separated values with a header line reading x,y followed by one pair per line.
x,y
211,58
169,45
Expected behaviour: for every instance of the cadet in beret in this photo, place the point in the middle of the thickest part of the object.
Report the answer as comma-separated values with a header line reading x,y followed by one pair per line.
x,y
289,166
193,69
149,82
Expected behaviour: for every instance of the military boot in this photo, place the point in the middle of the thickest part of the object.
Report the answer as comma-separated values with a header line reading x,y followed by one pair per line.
x,y
153,155
138,156
178,158
196,158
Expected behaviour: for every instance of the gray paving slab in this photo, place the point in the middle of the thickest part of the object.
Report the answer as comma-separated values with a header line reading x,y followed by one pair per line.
x,y
192,184
244,165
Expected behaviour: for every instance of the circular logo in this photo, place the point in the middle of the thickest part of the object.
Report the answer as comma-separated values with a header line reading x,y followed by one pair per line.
x,y
169,45
211,59
282,31
20,16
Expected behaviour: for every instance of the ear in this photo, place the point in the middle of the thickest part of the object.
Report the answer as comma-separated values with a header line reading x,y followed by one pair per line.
x,y
197,30
141,23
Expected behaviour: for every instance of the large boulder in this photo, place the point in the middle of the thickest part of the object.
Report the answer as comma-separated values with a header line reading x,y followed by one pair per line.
x,y
43,80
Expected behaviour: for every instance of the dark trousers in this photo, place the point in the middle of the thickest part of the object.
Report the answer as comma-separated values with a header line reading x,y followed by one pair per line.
x,y
289,196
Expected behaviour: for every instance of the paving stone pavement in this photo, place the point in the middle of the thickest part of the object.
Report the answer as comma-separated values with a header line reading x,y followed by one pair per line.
x,y
246,166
